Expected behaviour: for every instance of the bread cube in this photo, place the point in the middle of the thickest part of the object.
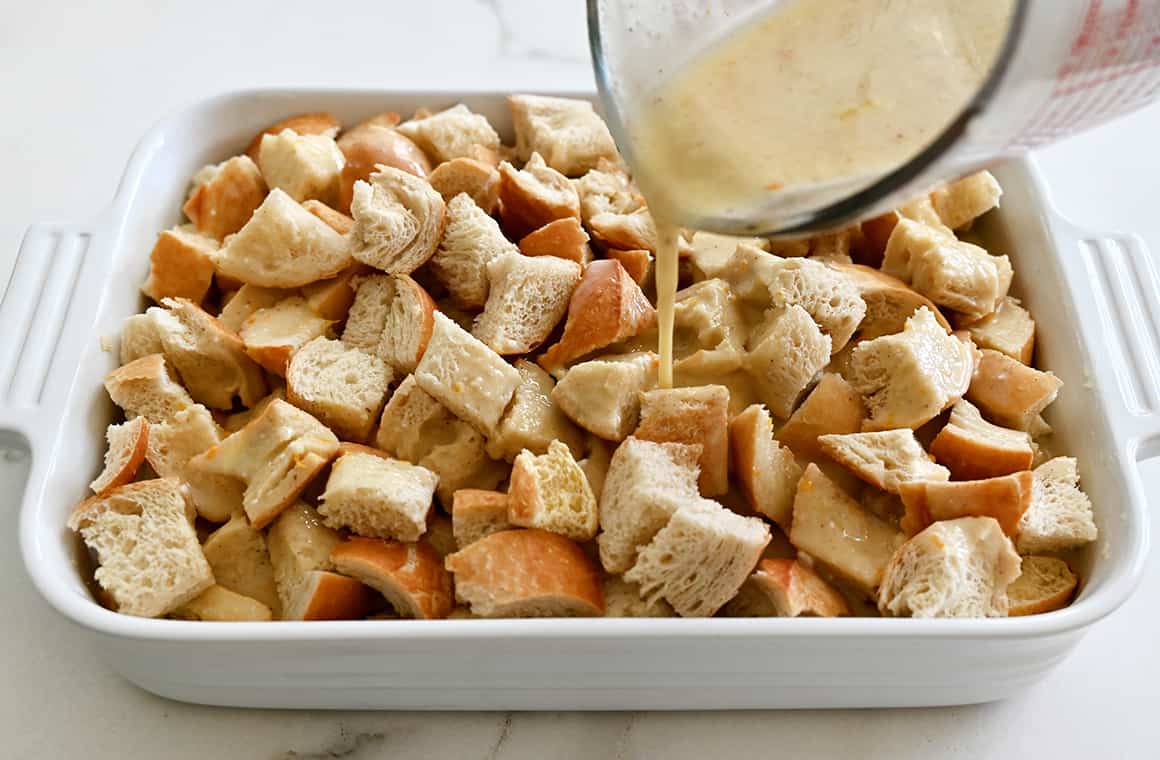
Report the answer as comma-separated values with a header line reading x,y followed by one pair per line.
x,y
527,297
1004,498
172,446
1044,584
622,600
398,221
953,569
372,144
313,123
323,595
786,588
124,454
550,492
1009,330
299,543
707,325
378,496
335,220
1009,392
960,203
472,241
694,416
889,301
271,336
634,231
533,196
974,449
533,420
1059,516
221,605
476,513
306,167
224,196
451,133
241,563
567,132
766,472
603,395
343,387
146,388
392,317
410,576
832,408
247,301
478,180
139,338
785,355
564,238
885,459
180,265
833,302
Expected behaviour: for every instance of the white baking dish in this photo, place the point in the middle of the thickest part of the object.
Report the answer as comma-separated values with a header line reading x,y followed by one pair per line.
x,y
1096,301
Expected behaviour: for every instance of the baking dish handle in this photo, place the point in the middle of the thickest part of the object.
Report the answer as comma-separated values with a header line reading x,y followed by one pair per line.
x,y
35,307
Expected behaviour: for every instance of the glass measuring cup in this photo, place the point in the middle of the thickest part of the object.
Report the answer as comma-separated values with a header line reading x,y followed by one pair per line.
x,y
1063,66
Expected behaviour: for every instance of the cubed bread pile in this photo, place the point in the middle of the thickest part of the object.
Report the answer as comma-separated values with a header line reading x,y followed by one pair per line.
x,y
403,370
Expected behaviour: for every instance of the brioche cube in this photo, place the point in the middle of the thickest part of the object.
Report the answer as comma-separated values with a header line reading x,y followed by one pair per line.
x,y
766,471
471,242
953,569
146,388
786,588
247,301
960,203
410,576
974,449
378,496
1044,584
533,420
528,296
526,573
833,407
127,444
148,557
1004,498
785,355
313,123
224,196
699,559
1009,330
451,133
241,563
885,459
1059,516
622,600
564,238
220,604
172,446
271,336
550,492
477,179
476,513
533,196
180,265
466,376
603,395
398,220
276,455
283,246
646,483
1009,392
304,166
909,378
343,387
567,132
889,301
299,543
695,416
139,338
392,317
834,529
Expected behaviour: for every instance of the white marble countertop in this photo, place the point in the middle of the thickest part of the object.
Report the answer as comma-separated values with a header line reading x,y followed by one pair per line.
x,y
81,83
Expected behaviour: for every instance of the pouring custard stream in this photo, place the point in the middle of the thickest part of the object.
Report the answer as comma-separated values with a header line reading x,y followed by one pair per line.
x,y
812,95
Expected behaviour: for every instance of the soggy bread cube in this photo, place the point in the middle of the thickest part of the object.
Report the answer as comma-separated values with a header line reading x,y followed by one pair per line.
x,y
1004,498
622,600
451,133
410,576
567,132
785,355
526,573
826,294
148,557
707,315
343,387
398,221
606,307
953,569
272,335
247,301
127,444
603,396
1010,330
299,543
550,492
909,378
646,483
146,388
475,179
834,529
1045,584
884,459
1011,393
766,471
695,416
211,359
305,166
786,588
225,196
889,301
960,203
175,442
440,535
832,408
533,196
283,246
1060,514
392,317
314,123
950,272
466,376
322,595
220,604
974,449
476,513
699,560
377,496
835,247
241,563
370,145
527,297
710,253
139,338
472,241
533,420
276,456
181,265
563,238
335,220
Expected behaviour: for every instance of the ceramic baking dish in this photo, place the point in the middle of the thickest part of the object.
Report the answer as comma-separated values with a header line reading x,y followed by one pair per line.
x,y
1096,301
